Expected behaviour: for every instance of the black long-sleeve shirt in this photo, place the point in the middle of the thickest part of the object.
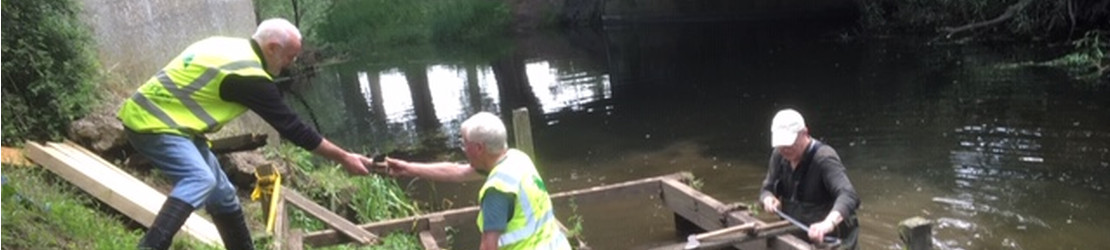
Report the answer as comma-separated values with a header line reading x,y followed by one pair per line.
x,y
818,186
263,97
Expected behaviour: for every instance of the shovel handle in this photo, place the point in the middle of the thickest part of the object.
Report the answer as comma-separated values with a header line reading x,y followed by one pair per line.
x,y
742,227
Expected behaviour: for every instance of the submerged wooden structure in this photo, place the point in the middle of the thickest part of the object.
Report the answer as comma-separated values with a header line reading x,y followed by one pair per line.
x,y
693,210
689,206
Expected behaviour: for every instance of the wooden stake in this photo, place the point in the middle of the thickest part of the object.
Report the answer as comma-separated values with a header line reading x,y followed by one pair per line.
x,y
916,233
522,129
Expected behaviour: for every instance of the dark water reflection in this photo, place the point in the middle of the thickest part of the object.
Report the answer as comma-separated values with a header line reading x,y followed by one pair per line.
x,y
999,157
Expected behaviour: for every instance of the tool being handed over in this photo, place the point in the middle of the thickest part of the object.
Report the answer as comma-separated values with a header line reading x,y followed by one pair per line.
x,y
378,164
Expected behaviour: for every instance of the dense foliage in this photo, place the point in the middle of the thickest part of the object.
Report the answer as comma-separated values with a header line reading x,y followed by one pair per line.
x,y
1023,18
49,69
391,32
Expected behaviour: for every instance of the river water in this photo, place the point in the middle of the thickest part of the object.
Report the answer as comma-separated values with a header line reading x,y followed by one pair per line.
x,y
998,155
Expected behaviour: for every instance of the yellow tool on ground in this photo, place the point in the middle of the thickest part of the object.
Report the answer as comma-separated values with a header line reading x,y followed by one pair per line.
x,y
268,185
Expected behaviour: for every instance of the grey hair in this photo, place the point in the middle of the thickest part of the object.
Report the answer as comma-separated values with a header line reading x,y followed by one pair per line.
x,y
487,129
276,30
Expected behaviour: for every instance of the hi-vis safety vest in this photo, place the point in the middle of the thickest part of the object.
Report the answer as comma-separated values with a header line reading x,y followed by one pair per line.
x,y
184,97
533,224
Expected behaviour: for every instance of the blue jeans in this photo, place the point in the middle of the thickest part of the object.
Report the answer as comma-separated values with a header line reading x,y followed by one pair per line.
x,y
193,168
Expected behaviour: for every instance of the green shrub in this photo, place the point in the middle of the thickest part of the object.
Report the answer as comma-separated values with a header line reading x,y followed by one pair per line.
x,y
1056,18
49,69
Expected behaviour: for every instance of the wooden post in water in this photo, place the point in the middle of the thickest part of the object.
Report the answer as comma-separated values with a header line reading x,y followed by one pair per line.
x,y
916,233
522,129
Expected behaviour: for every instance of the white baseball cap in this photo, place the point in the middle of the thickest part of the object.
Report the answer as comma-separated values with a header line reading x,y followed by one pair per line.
x,y
785,127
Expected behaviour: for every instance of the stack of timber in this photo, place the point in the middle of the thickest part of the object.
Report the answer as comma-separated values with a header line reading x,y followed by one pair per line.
x,y
113,186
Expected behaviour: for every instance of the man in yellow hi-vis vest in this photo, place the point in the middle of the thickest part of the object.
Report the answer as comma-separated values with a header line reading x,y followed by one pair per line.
x,y
516,211
209,84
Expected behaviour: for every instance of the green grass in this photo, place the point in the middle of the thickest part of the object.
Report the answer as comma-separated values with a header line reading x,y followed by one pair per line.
x,y
42,211
365,198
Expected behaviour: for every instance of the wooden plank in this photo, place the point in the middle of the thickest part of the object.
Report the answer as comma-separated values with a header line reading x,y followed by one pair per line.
x,y
13,157
428,241
413,224
785,241
328,217
114,187
761,232
194,225
437,226
522,130
281,224
711,214
619,190
694,205
238,143
788,242
296,240
462,216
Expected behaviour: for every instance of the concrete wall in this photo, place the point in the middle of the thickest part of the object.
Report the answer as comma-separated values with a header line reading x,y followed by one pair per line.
x,y
135,38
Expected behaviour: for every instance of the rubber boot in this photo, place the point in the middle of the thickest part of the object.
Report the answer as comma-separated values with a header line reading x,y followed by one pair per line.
x,y
173,214
233,230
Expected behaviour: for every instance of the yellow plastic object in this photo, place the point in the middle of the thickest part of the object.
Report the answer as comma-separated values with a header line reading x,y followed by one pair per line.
x,y
268,185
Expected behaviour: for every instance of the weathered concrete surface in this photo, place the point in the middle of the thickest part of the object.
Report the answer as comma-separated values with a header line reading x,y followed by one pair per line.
x,y
135,38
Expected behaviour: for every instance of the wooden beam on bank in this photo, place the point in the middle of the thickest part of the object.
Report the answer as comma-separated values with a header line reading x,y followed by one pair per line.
x,y
328,217
113,186
462,216
238,143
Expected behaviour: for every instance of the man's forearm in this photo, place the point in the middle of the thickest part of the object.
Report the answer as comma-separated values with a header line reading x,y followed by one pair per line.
x,y
444,171
330,151
834,217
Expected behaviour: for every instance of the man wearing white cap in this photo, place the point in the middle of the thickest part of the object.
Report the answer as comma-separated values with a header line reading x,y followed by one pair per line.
x,y
806,179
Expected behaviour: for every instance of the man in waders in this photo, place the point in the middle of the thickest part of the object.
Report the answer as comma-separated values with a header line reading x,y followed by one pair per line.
x,y
209,84
807,181
516,212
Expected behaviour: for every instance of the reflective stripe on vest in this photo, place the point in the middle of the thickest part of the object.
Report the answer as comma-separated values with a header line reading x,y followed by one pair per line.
x,y
525,231
532,225
184,95
168,102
